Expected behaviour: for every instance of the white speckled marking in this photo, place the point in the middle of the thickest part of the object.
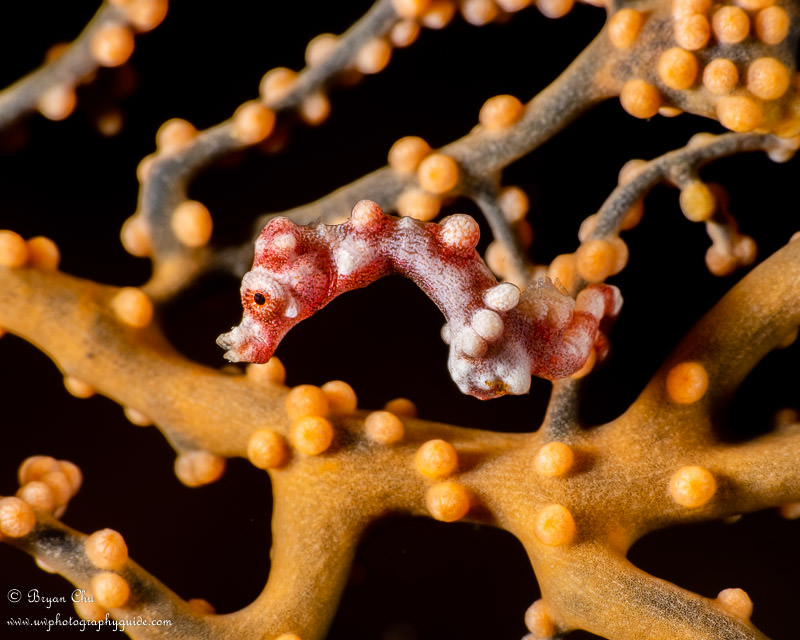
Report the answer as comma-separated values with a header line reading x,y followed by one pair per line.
x,y
517,380
351,254
460,231
470,343
291,309
487,324
503,297
285,242
405,222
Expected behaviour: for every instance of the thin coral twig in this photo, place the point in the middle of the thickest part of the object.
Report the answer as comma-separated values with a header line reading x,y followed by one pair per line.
x,y
167,183
691,157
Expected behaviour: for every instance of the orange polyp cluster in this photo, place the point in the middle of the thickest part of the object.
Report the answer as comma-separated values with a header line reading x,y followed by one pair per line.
x,y
341,397
407,153
312,435
410,9
271,372
479,12
438,173
677,68
512,6
267,449
692,31
597,259
681,8
315,108
498,259
730,25
143,171
196,468
754,5
39,495
790,510
384,427
514,203
49,485
90,610
39,467
624,27
137,417
720,76
640,98
697,201
109,123
78,387
55,51
38,252
175,135
112,45
132,307
404,33
192,224
554,525
418,204
563,269
687,382
692,486
539,621
320,48
720,262
448,501
57,102
106,549
135,236
438,14
201,606
253,122
736,602
739,113
772,25
17,518
146,15
276,84
555,8
767,78
500,112
401,407
307,406
436,459
110,590
306,400
554,460
373,56
13,249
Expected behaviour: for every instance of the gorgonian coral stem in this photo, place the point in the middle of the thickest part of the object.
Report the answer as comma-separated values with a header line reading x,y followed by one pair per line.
x,y
753,318
166,187
671,164
63,549
663,610
72,321
75,63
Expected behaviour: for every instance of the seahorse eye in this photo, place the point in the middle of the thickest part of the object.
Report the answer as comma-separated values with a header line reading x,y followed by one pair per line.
x,y
259,299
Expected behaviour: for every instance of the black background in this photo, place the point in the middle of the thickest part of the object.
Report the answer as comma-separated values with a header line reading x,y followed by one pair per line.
x,y
414,579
